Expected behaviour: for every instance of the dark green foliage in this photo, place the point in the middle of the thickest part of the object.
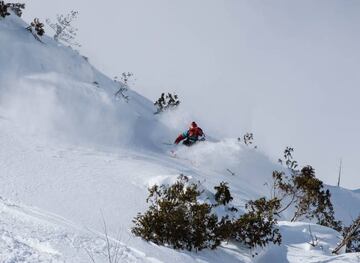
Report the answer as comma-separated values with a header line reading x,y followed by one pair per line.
x,y
257,226
248,138
176,218
288,159
223,195
4,9
17,8
166,102
38,27
324,212
305,192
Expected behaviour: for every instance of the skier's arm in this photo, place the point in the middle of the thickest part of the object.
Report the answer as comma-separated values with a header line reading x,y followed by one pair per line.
x,y
201,135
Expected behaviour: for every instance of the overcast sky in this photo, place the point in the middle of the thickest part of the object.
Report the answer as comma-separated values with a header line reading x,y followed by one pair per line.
x,y
288,71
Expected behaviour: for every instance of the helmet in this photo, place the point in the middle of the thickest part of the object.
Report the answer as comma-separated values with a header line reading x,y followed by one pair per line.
x,y
193,125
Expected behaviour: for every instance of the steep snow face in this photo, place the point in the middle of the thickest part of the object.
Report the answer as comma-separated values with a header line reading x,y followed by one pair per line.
x,y
47,87
68,147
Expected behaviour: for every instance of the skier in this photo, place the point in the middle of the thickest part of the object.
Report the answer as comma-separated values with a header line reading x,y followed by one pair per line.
x,y
191,136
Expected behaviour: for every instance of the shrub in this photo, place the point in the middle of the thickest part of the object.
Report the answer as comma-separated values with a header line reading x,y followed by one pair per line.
x,y
17,8
166,102
248,139
64,30
305,192
4,9
38,27
257,226
177,218
223,195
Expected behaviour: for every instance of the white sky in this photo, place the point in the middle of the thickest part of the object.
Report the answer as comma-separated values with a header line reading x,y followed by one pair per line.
x,y
285,70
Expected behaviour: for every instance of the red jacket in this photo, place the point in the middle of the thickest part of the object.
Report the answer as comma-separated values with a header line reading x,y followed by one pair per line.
x,y
192,134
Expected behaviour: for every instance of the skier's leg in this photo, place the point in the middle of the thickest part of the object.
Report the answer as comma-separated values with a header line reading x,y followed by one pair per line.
x,y
187,142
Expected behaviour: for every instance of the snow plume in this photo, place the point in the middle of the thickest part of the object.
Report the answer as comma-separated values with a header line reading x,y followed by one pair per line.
x,y
64,108
177,120
50,88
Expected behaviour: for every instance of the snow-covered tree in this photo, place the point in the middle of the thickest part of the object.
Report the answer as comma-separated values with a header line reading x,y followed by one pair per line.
x,y
64,30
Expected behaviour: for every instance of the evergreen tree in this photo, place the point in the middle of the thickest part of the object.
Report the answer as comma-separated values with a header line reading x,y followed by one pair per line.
x,y
166,102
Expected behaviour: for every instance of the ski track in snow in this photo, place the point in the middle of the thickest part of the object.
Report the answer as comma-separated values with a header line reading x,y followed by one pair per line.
x,y
28,235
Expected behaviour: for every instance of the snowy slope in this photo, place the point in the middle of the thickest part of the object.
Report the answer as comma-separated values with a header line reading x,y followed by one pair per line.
x,y
71,154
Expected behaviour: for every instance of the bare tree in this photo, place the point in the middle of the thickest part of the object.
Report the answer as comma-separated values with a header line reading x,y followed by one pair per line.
x,y
340,170
113,251
314,240
64,29
123,85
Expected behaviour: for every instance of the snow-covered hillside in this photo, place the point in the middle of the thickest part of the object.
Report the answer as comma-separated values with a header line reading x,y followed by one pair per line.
x,y
73,156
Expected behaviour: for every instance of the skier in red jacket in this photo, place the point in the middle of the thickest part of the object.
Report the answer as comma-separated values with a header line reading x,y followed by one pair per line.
x,y
191,136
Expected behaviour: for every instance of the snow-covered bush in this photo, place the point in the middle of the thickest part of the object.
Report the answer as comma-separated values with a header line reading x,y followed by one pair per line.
x,y
302,190
38,27
178,219
64,29
166,102
15,7
4,9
